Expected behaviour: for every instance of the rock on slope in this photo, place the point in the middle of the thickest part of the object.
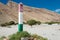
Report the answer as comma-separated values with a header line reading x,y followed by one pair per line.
x,y
9,12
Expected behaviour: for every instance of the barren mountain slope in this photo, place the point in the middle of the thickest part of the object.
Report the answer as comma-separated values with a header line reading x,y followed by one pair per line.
x,y
9,12
40,14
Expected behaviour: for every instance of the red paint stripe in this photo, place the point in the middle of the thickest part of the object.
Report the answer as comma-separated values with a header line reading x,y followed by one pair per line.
x,y
20,7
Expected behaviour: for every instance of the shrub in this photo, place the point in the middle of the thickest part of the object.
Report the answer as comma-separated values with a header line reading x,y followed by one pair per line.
x,y
38,22
31,22
15,24
35,36
24,34
2,37
3,25
39,37
18,35
49,23
58,22
8,23
24,22
52,23
11,23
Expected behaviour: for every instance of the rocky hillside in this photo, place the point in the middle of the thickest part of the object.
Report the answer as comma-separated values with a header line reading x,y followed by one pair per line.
x,y
9,12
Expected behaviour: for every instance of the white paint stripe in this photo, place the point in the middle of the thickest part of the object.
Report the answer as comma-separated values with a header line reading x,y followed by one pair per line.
x,y
20,18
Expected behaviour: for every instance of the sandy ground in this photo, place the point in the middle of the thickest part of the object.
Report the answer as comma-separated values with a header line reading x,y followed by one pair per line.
x,y
52,32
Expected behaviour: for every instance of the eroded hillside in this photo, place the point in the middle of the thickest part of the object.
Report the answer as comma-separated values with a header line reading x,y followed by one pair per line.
x,y
9,12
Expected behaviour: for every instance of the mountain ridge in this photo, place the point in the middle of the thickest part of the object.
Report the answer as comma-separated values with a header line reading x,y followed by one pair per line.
x,y
9,12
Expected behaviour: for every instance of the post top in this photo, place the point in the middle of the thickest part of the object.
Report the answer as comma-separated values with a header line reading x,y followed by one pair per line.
x,y
20,7
20,3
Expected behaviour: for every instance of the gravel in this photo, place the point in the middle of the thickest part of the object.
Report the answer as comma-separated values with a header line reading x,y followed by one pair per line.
x,y
52,32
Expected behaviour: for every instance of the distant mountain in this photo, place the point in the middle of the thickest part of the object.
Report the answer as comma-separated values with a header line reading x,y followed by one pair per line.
x,y
9,12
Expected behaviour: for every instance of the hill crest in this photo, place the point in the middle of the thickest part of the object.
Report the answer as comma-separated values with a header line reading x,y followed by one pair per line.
x,y
9,12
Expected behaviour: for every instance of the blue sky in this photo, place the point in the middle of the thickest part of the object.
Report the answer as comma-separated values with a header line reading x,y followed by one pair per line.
x,y
48,4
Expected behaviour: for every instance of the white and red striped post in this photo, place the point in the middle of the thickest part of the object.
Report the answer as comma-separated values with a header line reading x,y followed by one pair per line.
x,y
20,17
